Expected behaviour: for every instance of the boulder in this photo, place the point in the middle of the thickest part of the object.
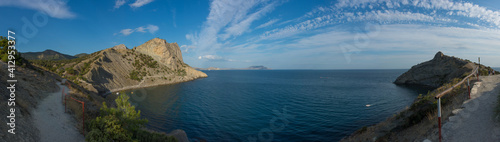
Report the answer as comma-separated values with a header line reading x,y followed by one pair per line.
x,y
121,46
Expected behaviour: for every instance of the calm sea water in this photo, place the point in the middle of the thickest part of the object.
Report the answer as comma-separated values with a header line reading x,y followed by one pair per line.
x,y
277,105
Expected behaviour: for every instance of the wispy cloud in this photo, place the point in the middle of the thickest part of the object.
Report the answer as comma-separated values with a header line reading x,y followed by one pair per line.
x,y
119,3
269,23
126,32
140,3
186,48
214,58
152,28
388,12
173,17
238,27
391,46
227,19
149,28
53,8
320,35
466,9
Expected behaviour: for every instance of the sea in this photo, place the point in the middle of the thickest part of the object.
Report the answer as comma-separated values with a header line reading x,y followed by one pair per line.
x,y
275,105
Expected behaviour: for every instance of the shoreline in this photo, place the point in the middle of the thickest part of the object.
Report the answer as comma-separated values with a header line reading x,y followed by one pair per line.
x,y
139,86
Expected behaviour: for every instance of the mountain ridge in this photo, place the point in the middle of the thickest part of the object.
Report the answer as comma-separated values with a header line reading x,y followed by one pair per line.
x,y
46,55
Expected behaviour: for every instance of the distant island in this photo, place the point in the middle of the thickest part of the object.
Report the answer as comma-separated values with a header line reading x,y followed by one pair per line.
x,y
261,67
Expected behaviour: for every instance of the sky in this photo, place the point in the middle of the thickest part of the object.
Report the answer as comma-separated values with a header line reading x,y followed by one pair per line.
x,y
279,34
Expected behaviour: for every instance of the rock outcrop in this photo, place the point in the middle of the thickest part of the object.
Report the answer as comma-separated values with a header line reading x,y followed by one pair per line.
x,y
166,53
436,72
121,46
155,62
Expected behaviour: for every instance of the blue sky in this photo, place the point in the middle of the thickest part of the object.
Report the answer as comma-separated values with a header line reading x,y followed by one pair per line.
x,y
294,34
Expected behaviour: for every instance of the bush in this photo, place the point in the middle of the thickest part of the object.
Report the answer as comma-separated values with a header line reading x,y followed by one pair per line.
x,y
148,136
116,124
135,75
70,70
4,50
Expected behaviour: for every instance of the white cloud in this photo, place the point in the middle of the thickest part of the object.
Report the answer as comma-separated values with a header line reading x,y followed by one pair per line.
x,y
214,58
126,32
53,8
456,28
466,9
298,28
227,19
140,29
238,28
139,3
346,11
186,48
269,23
150,28
403,42
119,3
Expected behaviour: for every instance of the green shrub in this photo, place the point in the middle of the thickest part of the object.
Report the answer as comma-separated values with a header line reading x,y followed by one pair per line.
x,y
70,70
4,50
116,124
148,136
135,75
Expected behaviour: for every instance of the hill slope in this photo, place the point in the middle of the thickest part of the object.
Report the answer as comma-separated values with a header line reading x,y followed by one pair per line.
x,y
46,55
156,62
435,72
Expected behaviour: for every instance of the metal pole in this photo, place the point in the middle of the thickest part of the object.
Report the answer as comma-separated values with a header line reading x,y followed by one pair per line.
x,y
439,118
468,86
83,118
62,95
477,74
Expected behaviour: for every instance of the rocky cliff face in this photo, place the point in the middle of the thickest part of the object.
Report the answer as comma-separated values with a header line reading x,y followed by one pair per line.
x,y
121,46
168,54
436,72
156,62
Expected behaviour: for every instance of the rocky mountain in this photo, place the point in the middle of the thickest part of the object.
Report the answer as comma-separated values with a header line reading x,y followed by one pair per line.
x,y
155,62
436,72
46,55
168,54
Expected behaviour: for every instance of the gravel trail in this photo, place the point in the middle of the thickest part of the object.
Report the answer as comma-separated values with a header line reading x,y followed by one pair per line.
x,y
475,121
53,123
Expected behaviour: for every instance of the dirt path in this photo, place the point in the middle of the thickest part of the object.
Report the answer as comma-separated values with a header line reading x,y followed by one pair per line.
x,y
53,123
475,121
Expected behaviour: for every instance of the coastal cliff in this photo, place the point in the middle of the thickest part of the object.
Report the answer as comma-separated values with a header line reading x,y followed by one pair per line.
x,y
417,122
153,63
435,72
